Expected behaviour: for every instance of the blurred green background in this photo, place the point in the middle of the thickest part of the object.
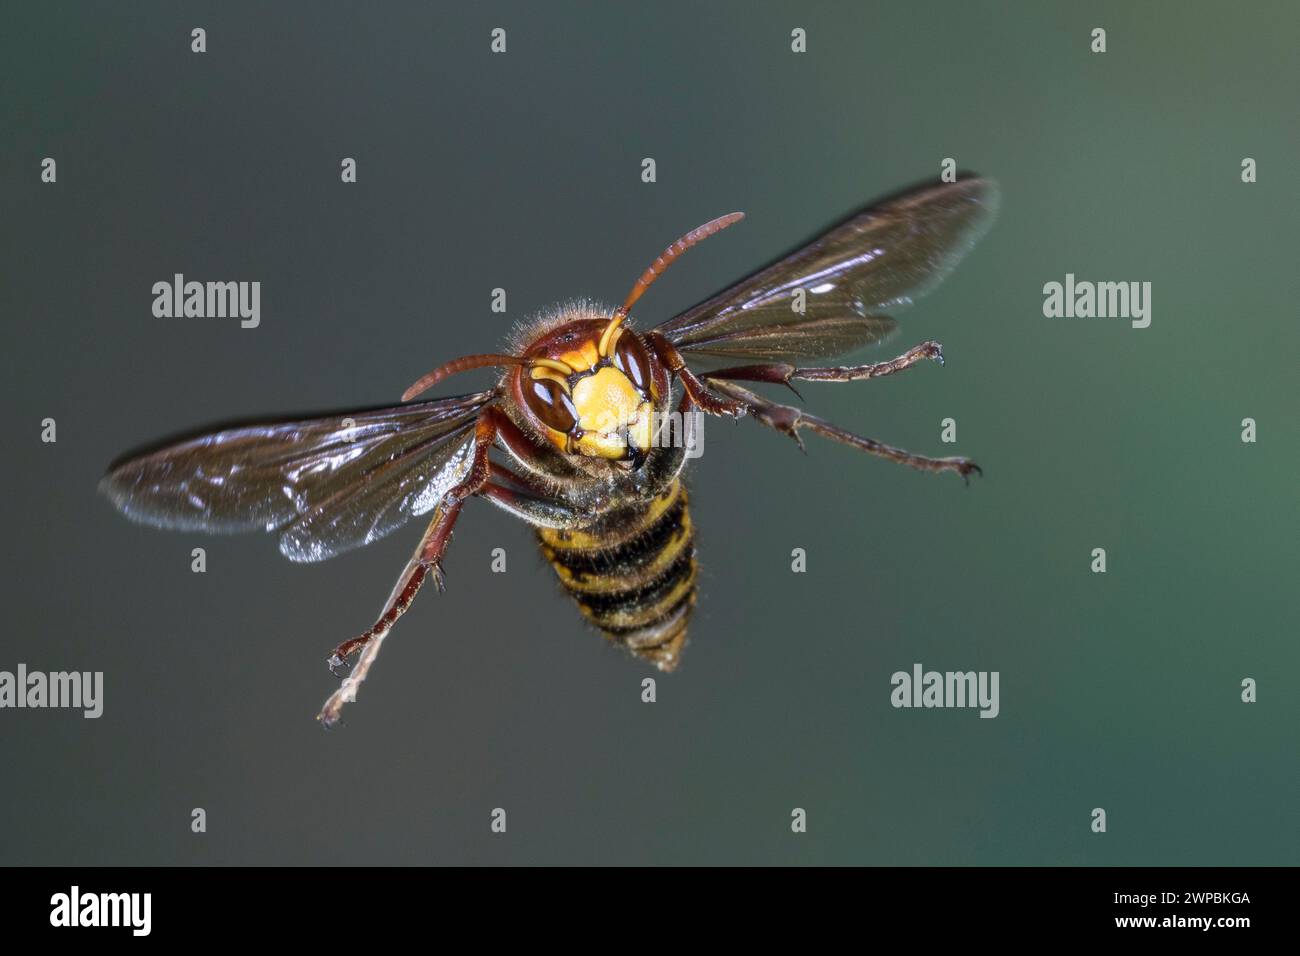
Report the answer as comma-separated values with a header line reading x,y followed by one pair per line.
x,y
523,171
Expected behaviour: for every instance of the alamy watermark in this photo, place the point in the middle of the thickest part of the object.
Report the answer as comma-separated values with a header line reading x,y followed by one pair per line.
x,y
922,688
208,300
678,430
1083,299
76,908
78,690
672,429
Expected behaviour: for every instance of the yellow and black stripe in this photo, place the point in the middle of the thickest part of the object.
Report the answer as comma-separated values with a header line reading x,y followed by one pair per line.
x,y
632,573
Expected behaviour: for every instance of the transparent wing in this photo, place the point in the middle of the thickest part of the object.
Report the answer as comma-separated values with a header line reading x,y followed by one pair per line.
x,y
875,262
360,513
275,475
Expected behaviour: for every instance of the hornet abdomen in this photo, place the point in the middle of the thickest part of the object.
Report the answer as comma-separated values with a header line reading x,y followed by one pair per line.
x,y
632,573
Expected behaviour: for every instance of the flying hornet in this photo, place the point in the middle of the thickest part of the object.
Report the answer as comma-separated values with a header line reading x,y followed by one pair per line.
x,y
569,437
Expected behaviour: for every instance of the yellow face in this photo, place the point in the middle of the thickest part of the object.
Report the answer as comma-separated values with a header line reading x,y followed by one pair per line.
x,y
612,415
598,406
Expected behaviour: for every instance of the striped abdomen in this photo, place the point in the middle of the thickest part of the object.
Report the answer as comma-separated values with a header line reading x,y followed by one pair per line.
x,y
632,573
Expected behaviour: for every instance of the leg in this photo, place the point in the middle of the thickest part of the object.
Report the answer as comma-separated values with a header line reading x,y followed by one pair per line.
x,y
781,373
540,511
696,390
788,420
425,562
543,466
428,553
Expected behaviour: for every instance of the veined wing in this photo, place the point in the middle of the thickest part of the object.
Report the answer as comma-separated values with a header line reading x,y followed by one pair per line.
x,y
875,262
330,483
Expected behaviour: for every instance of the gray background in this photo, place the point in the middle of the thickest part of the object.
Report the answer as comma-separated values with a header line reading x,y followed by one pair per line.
x,y
522,171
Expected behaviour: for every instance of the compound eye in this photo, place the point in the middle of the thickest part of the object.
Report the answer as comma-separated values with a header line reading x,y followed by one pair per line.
x,y
546,400
630,358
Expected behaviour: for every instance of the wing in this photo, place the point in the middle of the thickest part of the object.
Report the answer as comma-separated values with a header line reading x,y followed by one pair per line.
x,y
330,484
877,261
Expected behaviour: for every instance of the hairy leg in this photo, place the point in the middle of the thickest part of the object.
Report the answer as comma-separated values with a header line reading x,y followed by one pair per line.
x,y
426,562
695,389
538,510
788,420
781,373
538,461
